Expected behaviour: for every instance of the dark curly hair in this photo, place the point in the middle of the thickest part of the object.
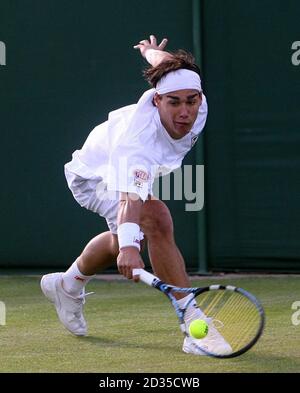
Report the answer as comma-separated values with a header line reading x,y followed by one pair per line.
x,y
180,59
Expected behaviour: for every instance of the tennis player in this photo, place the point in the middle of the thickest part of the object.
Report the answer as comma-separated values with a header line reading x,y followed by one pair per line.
x,y
113,174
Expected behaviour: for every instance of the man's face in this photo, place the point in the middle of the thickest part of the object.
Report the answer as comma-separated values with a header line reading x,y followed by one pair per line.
x,y
178,111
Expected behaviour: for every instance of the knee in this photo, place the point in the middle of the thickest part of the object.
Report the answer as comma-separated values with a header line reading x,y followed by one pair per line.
x,y
156,220
105,244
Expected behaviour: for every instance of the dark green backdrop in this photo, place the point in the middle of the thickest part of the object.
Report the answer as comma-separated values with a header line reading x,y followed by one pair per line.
x,y
71,62
253,134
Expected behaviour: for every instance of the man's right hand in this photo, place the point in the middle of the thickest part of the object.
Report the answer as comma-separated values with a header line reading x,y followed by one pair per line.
x,y
144,45
154,53
129,258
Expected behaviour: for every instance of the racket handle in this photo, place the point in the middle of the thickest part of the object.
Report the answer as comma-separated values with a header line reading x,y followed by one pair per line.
x,y
146,277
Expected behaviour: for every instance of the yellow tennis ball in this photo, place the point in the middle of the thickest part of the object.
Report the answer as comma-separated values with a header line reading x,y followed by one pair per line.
x,y
198,328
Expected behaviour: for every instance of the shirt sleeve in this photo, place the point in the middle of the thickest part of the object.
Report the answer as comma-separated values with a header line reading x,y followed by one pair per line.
x,y
131,169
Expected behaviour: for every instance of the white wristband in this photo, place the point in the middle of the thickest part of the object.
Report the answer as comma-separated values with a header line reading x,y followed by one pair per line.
x,y
129,235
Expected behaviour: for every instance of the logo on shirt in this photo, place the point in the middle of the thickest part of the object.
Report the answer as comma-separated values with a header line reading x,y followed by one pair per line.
x,y
79,278
140,177
194,140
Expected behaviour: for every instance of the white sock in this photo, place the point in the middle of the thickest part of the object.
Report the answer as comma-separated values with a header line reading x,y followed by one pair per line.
x,y
74,281
193,311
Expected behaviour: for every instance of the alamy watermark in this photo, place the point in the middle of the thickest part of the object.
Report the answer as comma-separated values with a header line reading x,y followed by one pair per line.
x,y
296,55
2,54
296,315
185,183
2,314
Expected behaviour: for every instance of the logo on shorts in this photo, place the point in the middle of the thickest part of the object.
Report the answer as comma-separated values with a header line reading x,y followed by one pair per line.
x,y
140,177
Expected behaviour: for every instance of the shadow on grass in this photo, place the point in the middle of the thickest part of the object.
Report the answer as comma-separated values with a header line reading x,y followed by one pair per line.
x,y
102,341
269,362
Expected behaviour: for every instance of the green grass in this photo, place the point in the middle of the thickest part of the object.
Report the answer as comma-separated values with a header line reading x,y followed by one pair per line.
x,y
133,328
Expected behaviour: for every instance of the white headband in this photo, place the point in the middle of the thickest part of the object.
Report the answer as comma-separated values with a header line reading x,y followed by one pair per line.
x,y
179,80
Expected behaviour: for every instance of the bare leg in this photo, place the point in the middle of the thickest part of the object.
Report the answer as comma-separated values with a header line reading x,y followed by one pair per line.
x,y
168,263
100,253
166,259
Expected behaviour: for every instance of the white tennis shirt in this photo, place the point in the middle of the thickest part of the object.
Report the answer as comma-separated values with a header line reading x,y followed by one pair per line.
x,y
129,161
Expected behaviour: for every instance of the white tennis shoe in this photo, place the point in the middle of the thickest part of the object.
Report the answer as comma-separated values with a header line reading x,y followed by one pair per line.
x,y
68,308
214,342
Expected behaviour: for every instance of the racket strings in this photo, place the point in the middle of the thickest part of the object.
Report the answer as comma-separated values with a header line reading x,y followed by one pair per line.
x,y
237,314
233,315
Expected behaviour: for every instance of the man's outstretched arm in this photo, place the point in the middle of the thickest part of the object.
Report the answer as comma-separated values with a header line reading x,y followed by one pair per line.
x,y
129,214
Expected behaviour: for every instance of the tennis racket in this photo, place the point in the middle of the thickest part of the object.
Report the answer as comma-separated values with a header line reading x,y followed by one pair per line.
x,y
234,316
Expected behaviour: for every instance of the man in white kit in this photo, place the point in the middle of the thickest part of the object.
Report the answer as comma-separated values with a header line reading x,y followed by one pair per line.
x,y
113,174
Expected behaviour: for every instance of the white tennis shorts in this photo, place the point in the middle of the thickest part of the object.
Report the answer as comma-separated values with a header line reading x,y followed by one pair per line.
x,y
93,195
